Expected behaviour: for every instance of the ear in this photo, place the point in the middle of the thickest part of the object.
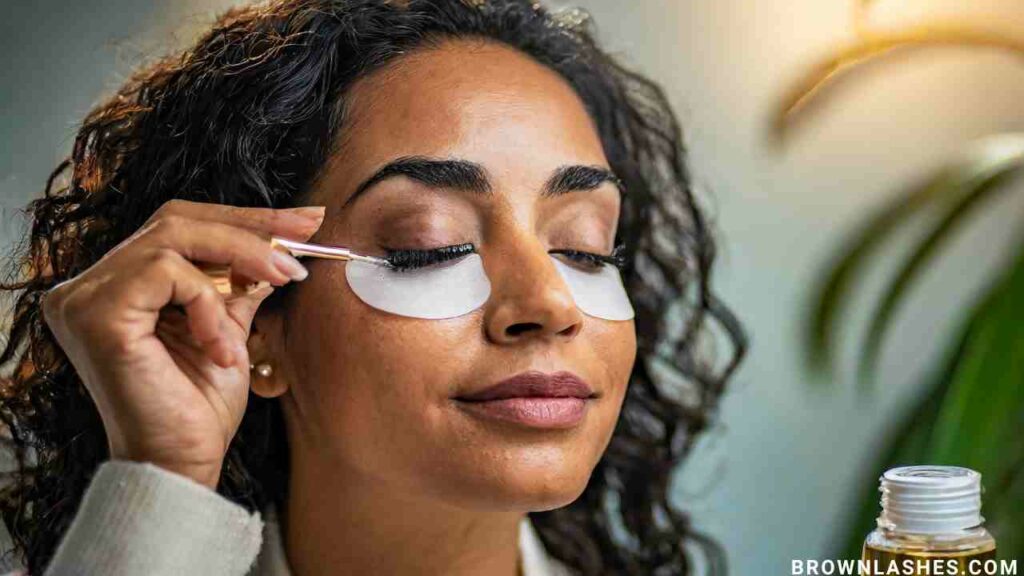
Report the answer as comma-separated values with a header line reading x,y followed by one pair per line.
x,y
263,349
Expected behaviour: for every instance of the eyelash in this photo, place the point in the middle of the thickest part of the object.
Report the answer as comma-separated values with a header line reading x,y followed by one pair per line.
x,y
403,259
616,258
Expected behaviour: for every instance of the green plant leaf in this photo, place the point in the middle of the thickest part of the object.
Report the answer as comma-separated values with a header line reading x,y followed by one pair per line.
x,y
979,424
912,433
830,294
971,415
986,171
979,420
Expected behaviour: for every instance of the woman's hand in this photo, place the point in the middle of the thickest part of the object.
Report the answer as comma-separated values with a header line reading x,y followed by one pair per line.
x,y
161,352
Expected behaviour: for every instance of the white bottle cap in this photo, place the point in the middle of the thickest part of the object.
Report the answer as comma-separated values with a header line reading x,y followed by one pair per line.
x,y
930,499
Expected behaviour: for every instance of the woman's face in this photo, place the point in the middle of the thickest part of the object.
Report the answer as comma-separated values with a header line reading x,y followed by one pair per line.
x,y
373,393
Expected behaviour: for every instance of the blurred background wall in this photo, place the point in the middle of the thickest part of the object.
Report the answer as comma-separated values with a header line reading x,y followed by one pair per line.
x,y
777,479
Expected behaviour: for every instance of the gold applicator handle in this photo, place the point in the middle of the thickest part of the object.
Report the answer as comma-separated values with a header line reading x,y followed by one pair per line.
x,y
298,249
220,274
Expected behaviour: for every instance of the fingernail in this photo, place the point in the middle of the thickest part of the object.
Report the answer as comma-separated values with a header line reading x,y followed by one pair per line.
x,y
287,264
312,212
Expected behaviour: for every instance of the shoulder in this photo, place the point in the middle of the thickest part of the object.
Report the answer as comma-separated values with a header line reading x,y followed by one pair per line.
x,y
137,518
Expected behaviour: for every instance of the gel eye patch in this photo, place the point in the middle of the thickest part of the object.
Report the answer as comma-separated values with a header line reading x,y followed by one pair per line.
x,y
445,290
460,286
599,293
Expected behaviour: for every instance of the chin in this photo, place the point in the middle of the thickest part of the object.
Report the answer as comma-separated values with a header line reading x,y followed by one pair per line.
x,y
546,497
527,488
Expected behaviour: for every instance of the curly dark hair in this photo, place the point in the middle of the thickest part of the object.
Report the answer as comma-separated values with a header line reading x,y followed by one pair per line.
x,y
248,116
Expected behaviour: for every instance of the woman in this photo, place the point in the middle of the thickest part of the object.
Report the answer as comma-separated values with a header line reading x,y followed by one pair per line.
x,y
161,428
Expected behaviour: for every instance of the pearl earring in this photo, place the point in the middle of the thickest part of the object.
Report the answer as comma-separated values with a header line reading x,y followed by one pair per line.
x,y
263,369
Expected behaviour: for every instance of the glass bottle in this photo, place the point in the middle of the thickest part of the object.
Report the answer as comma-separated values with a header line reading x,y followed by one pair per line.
x,y
930,524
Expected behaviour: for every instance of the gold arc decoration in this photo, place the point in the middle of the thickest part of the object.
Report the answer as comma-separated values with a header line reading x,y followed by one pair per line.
x,y
870,45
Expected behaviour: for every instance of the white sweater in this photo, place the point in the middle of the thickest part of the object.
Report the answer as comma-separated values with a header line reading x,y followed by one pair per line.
x,y
137,518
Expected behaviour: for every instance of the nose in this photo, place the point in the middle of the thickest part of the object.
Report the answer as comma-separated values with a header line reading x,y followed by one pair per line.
x,y
529,299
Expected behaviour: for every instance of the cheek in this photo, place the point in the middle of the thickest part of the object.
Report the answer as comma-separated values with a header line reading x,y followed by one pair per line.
x,y
360,371
613,349
611,353
614,352
373,390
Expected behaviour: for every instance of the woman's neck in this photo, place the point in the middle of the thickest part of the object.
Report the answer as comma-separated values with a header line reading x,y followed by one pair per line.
x,y
341,523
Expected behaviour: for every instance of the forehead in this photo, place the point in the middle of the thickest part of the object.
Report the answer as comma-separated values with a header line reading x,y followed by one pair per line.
x,y
474,100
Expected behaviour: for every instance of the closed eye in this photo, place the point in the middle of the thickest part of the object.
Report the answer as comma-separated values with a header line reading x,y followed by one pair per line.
x,y
409,259
593,260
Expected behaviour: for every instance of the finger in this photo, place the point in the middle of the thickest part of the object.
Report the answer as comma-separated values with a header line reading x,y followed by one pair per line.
x,y
205,311
246,252
302,221
243,309
174,329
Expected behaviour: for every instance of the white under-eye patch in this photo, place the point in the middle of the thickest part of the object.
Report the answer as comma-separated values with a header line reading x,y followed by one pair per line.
x,y
445,290
460,286
598,292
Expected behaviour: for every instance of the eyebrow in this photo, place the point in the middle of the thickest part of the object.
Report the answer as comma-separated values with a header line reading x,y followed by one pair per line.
x,y
468,176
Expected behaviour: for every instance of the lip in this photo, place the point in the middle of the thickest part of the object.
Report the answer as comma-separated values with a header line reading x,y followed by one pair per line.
x,y
534,399
534,384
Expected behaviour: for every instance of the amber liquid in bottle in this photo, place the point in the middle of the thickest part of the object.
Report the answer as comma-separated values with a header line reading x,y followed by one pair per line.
x,y
930,524
927,563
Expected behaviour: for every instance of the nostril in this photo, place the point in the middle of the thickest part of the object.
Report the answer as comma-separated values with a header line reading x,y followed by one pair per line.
x,y
517,329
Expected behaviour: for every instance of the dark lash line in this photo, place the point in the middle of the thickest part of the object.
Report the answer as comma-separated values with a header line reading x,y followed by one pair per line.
x,y
408,259
616,258
402,260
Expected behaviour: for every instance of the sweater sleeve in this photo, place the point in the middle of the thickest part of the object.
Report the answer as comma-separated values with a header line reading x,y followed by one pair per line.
x,y
138,518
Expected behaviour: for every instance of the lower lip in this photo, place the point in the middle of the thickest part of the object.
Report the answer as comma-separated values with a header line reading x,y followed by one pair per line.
x,y
536,412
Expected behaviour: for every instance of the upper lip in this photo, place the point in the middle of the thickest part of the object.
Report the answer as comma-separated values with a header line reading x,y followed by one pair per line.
x,y
534,384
